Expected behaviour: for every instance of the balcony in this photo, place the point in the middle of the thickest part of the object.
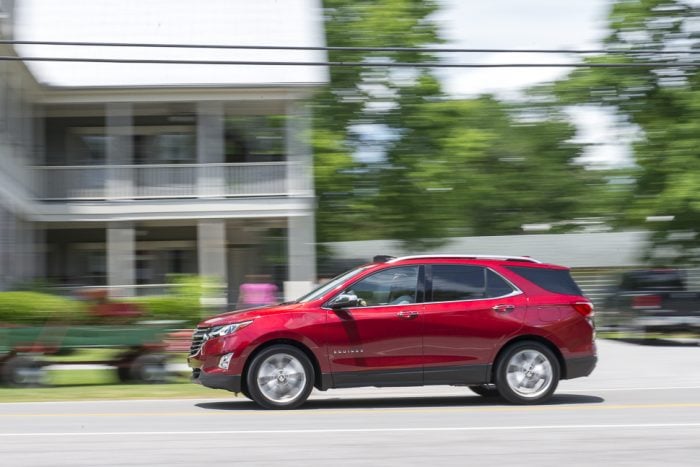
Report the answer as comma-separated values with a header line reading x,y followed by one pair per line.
x,y
162,181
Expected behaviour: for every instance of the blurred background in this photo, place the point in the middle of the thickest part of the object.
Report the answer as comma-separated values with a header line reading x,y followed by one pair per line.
x,y
139,181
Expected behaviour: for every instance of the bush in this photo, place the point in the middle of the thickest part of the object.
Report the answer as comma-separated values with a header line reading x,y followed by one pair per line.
x,y
184,303
38,308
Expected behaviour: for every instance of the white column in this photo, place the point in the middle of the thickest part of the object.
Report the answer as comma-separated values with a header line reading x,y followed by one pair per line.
x,y
40,250
210,148
301,235
38,155
211,251
120,150
4,247
121,259
300,161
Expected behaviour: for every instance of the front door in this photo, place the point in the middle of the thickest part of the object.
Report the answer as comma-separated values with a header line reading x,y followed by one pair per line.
x,y
378,343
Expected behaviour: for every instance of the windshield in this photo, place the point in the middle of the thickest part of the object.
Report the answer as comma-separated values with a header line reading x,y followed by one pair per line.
x,y
330,285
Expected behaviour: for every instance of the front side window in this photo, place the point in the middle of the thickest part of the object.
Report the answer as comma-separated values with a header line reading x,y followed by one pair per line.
x,y
455,282
395,286
330,285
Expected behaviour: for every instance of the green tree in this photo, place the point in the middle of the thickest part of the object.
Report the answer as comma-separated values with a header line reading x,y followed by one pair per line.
x,y
362,96
662,98
483,167
450,167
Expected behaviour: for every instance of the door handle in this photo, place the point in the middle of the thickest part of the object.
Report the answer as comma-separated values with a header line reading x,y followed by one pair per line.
x,y
407,314
503,308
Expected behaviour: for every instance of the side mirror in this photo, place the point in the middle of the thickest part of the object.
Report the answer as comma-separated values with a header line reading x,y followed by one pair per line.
x,y
344,300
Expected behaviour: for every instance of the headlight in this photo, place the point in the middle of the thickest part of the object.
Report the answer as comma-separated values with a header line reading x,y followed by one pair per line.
x,y
225,330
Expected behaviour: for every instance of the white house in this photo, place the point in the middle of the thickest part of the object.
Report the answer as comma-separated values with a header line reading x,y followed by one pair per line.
x,y
121,174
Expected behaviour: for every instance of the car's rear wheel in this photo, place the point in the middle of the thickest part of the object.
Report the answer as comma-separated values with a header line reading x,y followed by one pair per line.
x,y
527,373
485,390
280,377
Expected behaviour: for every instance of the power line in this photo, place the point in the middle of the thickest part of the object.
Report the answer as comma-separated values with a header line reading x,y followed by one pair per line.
x,y
350,49
348,64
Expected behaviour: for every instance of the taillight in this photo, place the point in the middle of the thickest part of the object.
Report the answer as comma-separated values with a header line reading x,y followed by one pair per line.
x,y
584,308
646,301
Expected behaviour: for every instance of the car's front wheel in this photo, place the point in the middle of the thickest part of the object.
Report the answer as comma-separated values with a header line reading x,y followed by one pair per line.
x,y
280,377
527,373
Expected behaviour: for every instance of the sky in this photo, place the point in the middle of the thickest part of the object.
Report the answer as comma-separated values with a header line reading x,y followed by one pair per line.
x,y
512,24
533,24
516,24
234,22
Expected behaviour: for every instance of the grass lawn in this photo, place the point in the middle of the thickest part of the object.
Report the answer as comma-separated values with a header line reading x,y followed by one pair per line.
x,y
67,385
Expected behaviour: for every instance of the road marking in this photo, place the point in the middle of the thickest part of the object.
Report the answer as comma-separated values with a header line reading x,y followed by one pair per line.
x,y
671,388
350,410
322,396
362,430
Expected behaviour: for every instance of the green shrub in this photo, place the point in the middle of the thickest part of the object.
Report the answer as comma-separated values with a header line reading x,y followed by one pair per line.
x,y
183,303
37,307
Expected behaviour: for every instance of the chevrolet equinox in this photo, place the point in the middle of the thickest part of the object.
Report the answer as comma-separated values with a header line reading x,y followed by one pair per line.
x,y
504,326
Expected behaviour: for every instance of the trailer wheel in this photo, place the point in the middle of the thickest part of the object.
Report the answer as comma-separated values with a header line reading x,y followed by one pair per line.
x,y
124,373
149,368
22,372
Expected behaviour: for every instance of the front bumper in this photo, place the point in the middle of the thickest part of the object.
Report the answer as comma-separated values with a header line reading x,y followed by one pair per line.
x,y
214,380
219,381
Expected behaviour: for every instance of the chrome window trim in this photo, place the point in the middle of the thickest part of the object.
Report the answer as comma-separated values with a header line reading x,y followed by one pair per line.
x,y
377,306
516,291
512,294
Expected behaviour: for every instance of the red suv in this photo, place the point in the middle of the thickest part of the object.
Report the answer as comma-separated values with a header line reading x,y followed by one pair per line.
x,y
508,326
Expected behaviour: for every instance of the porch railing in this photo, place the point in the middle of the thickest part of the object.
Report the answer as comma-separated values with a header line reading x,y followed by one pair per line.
x,y
103,182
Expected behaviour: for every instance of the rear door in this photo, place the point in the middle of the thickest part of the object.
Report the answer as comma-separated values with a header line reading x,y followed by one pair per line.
x,y
469,312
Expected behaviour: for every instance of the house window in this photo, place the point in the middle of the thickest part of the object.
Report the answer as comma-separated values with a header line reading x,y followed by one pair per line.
x,y
93,148
255,138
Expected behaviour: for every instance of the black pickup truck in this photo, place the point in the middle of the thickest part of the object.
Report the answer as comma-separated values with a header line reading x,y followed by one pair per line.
x,y
653,301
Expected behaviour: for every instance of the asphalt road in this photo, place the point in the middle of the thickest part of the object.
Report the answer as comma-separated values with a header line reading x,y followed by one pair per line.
x,y
640,407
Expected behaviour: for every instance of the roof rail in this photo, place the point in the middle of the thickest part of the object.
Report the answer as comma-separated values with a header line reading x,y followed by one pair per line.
x,y
494,257
382,258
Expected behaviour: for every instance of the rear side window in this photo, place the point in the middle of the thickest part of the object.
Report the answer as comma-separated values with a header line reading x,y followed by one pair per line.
x,y
496,286
553,280
453,282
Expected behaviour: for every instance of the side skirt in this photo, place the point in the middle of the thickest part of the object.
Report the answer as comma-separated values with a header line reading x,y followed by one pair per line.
x,y
451,375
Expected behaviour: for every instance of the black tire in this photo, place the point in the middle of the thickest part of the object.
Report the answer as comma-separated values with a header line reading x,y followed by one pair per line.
x,y
246,393
148,368
527,373
485,390
22,372
292,384
124,372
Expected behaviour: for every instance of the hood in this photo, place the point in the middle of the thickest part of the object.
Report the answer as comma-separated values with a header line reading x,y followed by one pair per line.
x,y
246,314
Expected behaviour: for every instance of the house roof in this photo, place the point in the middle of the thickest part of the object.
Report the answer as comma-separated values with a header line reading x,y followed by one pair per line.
x,y
226,22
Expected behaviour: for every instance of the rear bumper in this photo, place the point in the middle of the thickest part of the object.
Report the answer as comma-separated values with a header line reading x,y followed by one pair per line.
x,y
579,367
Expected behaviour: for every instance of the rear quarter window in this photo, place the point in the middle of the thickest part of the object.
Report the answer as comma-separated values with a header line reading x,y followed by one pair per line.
x,y
553,280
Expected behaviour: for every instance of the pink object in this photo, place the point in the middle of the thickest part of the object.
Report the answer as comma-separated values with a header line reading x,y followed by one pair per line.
x,y
258,294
